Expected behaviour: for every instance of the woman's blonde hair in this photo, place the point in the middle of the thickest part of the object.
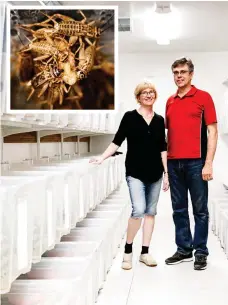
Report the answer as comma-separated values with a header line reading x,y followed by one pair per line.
x,y
142,86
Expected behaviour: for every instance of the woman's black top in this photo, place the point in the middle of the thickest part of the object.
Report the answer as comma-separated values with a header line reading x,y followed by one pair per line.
x,y
144,145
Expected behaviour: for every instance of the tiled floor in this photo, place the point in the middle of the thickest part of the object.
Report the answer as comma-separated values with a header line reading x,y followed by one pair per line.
x,y
167,285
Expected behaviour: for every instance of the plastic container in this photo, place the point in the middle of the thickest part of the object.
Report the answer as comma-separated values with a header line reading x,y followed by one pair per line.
x,y
53,203
101,236
33,292
8,231
18,212
225,231
79,271
223,208
218,204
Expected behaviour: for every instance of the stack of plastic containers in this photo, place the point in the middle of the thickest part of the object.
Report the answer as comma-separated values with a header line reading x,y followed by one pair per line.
x,y
39,292
88,246
54,194
218,208
22,226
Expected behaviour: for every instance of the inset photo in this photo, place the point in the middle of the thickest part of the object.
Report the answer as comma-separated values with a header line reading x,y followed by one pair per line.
x,y
62,59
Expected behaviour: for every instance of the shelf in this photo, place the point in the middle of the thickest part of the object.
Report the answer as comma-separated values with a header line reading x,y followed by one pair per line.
x,y
10,127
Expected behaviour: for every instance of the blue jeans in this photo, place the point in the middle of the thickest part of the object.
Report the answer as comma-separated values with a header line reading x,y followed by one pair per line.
x,y
184,175
144,196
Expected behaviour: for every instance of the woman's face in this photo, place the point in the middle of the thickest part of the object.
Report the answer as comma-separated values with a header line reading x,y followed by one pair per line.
x,y
147,97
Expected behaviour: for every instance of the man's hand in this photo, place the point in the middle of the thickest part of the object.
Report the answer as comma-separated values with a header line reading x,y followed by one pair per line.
x,y
97,160
207,172
165,182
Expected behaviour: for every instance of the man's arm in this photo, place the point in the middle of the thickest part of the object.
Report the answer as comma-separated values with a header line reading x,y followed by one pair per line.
x,y
207,172
166,177
164,161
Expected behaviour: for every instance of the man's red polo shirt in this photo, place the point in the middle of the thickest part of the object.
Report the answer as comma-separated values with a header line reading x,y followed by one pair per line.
x,y
186,120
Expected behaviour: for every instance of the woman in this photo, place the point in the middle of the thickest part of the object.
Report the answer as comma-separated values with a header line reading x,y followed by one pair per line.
x,y
146,161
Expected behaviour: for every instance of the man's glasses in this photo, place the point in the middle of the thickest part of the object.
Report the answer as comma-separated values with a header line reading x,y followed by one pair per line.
x,y
148,93
181,72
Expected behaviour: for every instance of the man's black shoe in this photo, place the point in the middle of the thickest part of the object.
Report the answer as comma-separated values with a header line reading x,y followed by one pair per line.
x,y
200,262
178,258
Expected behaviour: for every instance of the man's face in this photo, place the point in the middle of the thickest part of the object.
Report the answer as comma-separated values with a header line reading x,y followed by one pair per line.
x,y
182,76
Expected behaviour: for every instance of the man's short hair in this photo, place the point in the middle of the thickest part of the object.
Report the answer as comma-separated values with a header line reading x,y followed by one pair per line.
x,y
183,61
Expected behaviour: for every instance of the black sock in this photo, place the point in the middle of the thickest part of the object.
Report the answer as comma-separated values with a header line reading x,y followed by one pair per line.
x,y
145,250
128,248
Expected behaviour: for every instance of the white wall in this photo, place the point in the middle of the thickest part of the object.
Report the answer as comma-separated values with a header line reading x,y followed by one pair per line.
x,y
99,143
211,70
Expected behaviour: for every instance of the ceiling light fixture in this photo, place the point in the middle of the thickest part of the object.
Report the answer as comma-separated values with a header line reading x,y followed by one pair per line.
x,y
162,23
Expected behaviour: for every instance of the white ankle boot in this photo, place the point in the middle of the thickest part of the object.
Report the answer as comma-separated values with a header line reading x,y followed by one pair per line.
x,y
148,260
127,261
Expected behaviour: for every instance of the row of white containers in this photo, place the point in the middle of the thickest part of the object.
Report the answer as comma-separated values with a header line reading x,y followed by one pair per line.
x,y
94,122
74,271
218,208
43,202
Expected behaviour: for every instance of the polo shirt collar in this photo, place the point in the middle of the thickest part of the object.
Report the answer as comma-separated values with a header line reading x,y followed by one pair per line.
x,y
191,92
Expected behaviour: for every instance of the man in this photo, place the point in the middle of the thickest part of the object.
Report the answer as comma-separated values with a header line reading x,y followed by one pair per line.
x,y
190,116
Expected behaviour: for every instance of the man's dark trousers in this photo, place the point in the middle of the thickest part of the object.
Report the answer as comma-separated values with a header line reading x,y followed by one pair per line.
x,y
184,175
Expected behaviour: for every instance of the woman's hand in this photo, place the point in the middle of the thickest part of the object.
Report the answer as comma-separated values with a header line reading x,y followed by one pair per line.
x,y
96,160
112,148
165,182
